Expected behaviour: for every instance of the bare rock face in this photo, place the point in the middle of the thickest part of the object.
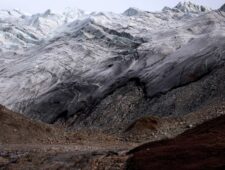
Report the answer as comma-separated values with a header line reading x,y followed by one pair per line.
x,y
107,70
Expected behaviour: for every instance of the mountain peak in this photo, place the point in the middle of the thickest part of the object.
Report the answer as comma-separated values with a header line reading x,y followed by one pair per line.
x,y
187,6
11,13
132,12
71,14
222,8
47,12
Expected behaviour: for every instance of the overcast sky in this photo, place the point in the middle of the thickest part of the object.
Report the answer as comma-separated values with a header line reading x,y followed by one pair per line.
x,y
33,6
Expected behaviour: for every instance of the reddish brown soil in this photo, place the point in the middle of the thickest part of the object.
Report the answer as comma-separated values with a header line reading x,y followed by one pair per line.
x,y
202,147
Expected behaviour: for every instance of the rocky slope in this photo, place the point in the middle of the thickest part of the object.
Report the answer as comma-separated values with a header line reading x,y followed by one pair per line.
x,y
28,144
34,145
107,70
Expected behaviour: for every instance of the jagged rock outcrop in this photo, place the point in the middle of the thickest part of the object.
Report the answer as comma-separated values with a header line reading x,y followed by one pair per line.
x,y
107,70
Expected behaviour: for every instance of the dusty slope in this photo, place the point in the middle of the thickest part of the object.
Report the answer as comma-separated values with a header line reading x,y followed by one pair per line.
x,y
199,148
27,144
17,129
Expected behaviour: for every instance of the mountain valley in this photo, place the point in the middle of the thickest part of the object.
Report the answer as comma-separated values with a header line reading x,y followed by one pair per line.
x,y
81,91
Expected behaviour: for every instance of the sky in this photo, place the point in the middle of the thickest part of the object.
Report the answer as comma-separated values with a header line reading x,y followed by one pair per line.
x,y
118,6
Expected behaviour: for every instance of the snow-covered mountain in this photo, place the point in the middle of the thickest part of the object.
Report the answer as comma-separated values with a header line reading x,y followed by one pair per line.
x,y
71,14
48,21
7,14
19,30
107,70
188,7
